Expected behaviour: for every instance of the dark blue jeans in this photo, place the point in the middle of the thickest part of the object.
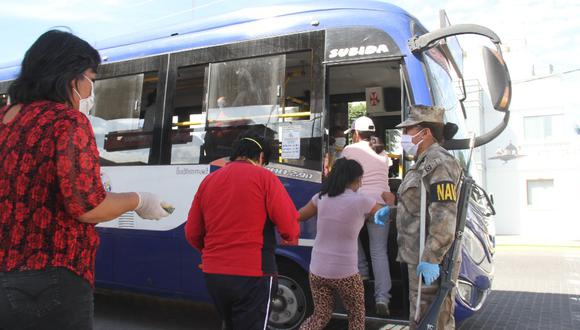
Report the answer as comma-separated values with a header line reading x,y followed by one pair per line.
x,y
53,298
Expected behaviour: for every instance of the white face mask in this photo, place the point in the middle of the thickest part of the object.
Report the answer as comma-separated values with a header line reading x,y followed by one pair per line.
x,y
86,104
408,145
340,142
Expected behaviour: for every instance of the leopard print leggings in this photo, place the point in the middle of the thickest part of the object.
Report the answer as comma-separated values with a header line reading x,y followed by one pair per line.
x,y
351,292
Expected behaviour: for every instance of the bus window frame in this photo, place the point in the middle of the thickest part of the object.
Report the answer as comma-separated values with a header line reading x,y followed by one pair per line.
x,y
407,97
141,66
311,41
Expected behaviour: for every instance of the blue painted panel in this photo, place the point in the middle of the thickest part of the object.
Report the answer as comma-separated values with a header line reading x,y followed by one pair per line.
x,y
105,257
148,260
299,254
192,281
461,312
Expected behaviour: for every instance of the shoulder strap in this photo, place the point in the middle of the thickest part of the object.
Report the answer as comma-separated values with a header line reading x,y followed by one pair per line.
x,y
422,233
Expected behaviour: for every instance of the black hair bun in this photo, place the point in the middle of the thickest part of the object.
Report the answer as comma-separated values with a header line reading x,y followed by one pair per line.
x,y
449,130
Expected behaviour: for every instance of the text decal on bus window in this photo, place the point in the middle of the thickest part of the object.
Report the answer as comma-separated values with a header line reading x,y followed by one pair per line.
x,y
358,51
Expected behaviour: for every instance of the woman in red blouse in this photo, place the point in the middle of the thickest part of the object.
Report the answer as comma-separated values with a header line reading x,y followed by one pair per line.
x,y
51,195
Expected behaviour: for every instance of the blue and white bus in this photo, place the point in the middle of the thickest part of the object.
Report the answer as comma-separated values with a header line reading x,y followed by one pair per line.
x,y
170,102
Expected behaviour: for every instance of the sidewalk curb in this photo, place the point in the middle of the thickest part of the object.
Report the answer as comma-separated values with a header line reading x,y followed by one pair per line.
x,y
537,246
505,241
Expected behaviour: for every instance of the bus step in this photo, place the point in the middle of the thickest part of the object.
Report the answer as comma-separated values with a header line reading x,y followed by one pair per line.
x,y
389,324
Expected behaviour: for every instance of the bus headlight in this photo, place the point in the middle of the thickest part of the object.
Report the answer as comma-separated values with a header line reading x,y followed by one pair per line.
x,y
473,246
470,295
465,289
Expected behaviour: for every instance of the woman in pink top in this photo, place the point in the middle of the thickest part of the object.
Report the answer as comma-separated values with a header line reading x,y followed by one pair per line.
x,y
333,267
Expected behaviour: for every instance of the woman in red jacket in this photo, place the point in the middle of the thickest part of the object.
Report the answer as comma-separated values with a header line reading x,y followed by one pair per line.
x,y
231,222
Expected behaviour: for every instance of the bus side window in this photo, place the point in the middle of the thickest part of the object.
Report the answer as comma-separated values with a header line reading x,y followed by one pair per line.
x,y
298,115
242,94
123,118
269,94
188,118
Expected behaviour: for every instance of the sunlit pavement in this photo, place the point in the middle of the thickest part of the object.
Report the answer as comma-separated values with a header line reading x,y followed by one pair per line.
x,y
535,287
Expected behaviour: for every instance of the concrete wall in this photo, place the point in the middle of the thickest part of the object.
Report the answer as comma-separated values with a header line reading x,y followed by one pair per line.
x,y
556,158
537,91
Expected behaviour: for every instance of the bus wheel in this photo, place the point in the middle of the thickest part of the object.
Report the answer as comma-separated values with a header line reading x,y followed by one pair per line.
x,y
292,302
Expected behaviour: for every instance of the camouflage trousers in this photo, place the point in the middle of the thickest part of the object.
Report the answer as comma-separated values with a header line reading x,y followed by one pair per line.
x,y
446,320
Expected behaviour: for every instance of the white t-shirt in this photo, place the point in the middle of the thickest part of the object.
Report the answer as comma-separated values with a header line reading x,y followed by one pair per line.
x,y
376,169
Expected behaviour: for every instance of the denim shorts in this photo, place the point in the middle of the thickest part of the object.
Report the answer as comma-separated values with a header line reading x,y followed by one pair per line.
x,y
52,298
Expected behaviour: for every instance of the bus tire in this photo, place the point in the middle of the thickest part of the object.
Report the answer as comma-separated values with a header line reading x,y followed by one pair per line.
x,y
292,303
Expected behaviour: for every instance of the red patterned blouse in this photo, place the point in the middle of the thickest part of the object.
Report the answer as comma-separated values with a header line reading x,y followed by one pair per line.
x,y
49,176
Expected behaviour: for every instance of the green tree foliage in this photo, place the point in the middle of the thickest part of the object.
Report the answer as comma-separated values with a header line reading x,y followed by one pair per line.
x,y
355,110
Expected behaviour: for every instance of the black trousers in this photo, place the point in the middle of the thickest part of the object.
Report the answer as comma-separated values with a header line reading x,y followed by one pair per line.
x,y
52,298
242,301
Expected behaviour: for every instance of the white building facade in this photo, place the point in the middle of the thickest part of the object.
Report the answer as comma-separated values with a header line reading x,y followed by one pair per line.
x,y
536,194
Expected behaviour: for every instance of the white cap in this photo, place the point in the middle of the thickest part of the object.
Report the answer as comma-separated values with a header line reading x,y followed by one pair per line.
x,y
361,124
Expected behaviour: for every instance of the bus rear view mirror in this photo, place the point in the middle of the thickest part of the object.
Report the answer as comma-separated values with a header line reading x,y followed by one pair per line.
x,y
498,79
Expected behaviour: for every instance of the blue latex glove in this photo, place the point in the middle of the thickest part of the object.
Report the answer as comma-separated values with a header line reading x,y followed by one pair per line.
x,y
429,271
382,215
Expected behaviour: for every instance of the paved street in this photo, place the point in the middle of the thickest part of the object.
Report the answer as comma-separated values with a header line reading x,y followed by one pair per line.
x,y
534,288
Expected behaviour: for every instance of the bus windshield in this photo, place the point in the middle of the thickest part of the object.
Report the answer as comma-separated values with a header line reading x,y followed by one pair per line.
x,y
442,89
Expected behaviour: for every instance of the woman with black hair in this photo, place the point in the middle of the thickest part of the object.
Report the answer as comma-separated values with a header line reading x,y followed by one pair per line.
x,y
231,222
51,194
333,268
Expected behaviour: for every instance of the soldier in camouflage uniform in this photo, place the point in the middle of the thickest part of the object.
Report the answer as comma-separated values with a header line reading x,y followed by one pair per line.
x,y
440,173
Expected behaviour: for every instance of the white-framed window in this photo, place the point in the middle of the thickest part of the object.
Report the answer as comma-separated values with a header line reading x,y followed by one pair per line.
x,y
540,191
539,128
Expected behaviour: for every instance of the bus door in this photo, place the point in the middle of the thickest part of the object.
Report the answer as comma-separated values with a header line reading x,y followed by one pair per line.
x,y
374,89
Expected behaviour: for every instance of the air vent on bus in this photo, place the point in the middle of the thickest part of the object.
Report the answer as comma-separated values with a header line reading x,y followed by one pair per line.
x,y
127,220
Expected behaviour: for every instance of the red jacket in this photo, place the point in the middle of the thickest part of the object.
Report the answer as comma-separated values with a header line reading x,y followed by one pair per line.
x,y
232,219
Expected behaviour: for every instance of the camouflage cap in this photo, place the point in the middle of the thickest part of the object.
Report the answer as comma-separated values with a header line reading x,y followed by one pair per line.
x,y
423,113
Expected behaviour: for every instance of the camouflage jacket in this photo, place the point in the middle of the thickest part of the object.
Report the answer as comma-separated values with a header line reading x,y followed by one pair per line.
x,y
440,173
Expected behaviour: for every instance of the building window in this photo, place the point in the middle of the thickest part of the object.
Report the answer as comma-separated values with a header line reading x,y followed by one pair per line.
x,y
540,191
537,128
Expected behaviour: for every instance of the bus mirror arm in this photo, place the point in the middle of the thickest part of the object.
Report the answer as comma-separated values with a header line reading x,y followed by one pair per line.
x,y
422,42
457,144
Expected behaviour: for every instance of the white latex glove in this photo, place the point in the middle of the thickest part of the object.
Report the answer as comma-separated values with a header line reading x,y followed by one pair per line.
x,y
151,207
